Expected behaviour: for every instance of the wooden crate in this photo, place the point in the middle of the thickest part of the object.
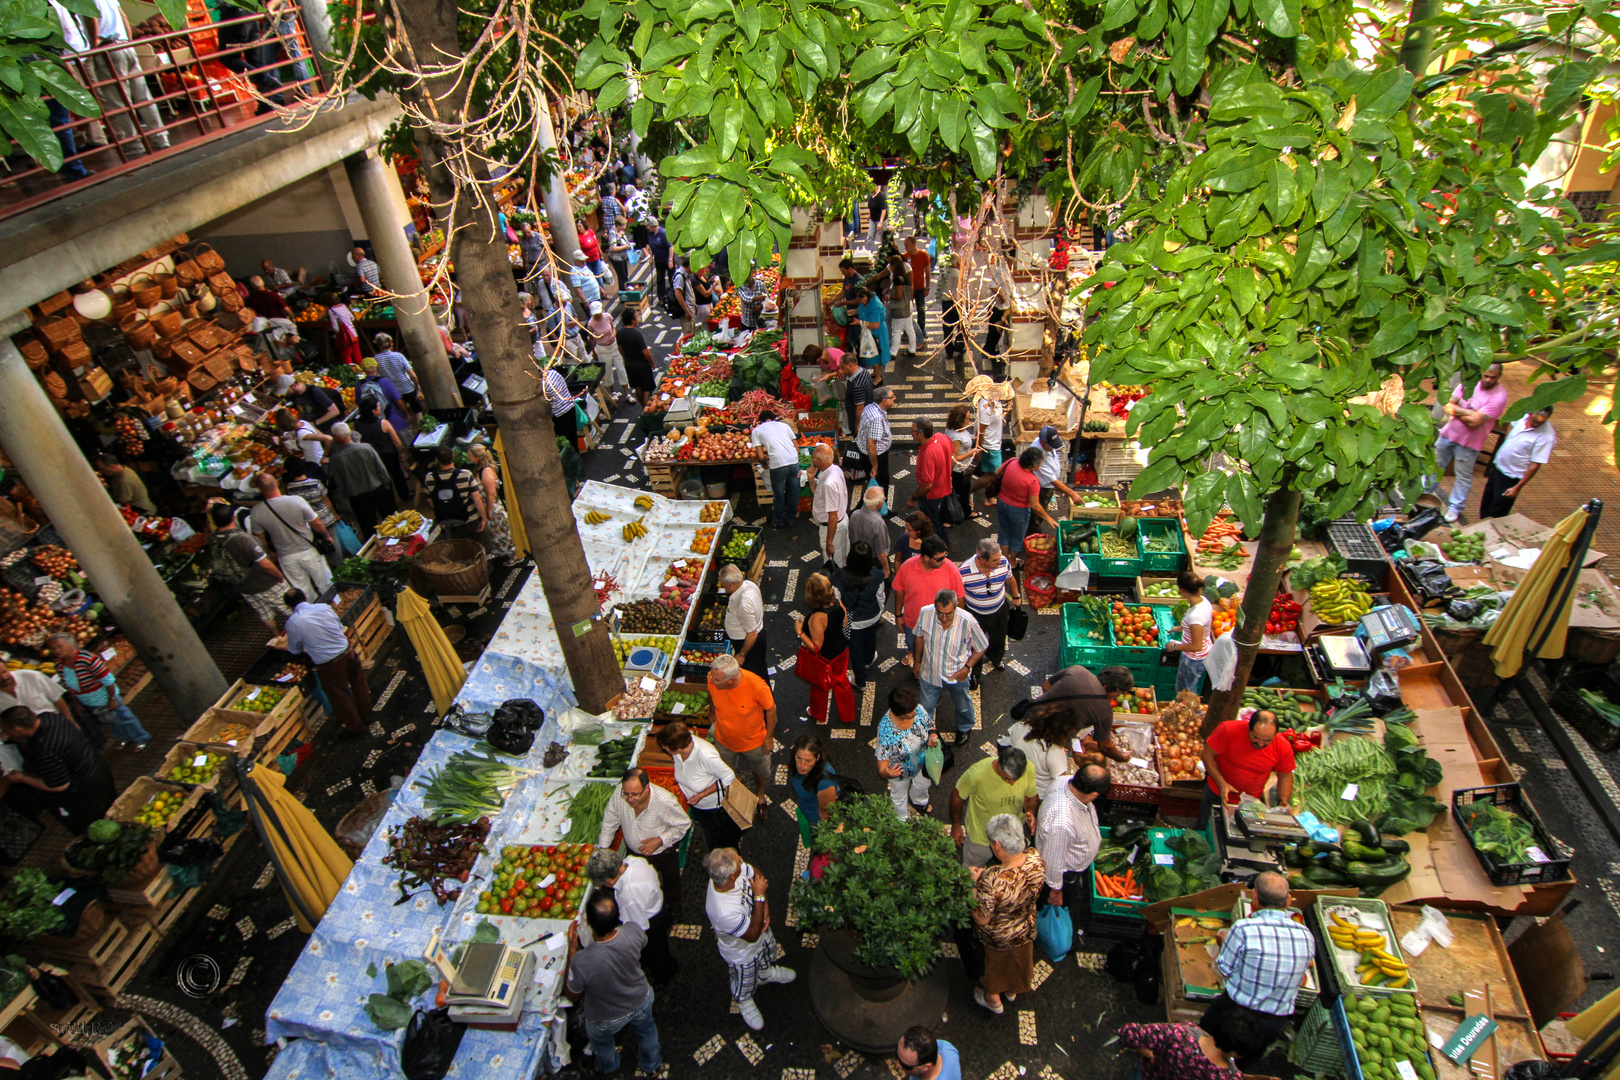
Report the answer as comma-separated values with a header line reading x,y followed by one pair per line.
x,y
125,807
371,629
182,753
665,479
139,895
95,949
763,495
107,981
243,689
166,1068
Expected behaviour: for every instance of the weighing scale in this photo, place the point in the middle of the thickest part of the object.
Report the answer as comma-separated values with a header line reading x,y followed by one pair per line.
x,y
1339,656
647,659
1390,626
1265,826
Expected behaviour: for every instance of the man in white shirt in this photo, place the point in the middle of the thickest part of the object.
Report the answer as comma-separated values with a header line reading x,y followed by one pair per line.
x,y
745,620
830,506
1527,446
741,919
286,526
1067,837
653,824
111,27
782,459
641,901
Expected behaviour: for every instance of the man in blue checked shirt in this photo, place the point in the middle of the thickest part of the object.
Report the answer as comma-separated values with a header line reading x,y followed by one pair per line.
x,y
1263,961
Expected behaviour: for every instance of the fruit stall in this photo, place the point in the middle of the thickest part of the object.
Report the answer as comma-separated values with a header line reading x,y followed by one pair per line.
x,y
480,846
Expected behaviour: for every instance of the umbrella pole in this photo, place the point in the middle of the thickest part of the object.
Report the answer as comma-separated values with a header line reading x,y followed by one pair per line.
x,y
1557,596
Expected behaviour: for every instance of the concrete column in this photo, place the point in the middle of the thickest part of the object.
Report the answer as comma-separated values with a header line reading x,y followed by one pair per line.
x,y
385,228
123,577
559,206
318,24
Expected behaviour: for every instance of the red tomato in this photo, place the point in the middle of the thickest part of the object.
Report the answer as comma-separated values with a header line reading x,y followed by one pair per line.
x,y
506,907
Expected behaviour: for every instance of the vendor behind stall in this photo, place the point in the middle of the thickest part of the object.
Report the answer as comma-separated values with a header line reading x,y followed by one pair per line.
x,y
1262,962
1241,756
124,484
61,771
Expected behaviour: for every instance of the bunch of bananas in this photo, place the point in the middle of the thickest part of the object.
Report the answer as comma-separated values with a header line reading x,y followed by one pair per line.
x,y
633,530
1203,923
1378,967
401,525
1341,600
596,517
644,503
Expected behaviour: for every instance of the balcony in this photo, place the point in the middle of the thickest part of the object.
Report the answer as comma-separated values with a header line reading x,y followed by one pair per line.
x,y
164,94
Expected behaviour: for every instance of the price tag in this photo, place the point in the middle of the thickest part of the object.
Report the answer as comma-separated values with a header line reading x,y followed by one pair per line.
x,y
564,825
678,563
1132,857
549,878
390,542
43,580
555,942
199,761
109,654
1350,792
64,896
1404,1067
1537,855
254,696
1502,553
649,684
1140,763
230,742
678,708
236,410
1164,860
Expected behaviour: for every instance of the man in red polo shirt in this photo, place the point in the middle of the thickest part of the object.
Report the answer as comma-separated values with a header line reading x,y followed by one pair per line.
x,y
1241,757
934,460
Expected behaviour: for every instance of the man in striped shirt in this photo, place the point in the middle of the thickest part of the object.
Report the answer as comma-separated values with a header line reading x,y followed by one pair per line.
x,y
948,643
370,277
988,581
66,775
873,437
1067,837
393,366
95,690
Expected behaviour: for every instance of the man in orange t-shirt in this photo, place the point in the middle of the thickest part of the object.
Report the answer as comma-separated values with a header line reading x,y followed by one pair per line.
x,y
920,264
744,719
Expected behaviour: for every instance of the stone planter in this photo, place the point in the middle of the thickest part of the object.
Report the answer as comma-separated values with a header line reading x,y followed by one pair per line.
x,y
867,1009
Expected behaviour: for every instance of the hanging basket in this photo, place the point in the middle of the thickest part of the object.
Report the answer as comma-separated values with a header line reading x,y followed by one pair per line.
x,y
145,291
168,324
138,331
207,258
168,284
231,300
221,283
188,272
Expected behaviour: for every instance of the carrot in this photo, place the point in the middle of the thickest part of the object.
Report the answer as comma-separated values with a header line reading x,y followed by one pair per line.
x,y
1106,885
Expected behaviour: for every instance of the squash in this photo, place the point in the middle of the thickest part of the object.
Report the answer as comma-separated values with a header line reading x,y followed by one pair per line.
x,y
1127,528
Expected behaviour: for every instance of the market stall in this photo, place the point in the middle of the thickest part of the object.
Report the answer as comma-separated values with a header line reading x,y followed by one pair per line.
x,y
651,559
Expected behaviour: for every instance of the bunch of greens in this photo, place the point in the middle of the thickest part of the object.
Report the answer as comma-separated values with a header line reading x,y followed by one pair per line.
x,y
109,853
697,343
1305,574
1601,705
355,568
898,884
26,910
1501,834
1313,519
759,369
1324,776
1410,806
1194,868
468,787
407,981
587,372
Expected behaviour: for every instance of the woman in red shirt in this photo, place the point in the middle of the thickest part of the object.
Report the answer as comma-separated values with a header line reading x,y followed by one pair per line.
x,y
1020,497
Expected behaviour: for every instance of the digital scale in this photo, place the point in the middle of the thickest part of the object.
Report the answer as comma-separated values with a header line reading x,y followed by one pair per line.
x,y
1390,626
647,659
1266,825
1339,656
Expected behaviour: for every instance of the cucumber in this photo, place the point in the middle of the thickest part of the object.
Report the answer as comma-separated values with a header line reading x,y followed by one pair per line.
x,y
1363,853
1394,846
1336,861
1322,875
1377,874
1365,831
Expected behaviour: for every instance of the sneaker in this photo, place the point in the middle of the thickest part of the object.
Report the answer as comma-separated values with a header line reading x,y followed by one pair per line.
x,y
780,975
978,996
750,1014
138,746
1451,516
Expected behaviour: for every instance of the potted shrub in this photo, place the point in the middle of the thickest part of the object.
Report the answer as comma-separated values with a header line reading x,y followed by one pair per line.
x,y
890,893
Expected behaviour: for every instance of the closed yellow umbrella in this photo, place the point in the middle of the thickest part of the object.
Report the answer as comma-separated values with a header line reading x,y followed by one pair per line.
x,y
439,662
309,864
514,517
1534,614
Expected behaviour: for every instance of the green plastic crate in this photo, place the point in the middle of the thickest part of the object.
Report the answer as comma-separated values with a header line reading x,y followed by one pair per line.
x,y
1164,683
1067,531
1132,909
1099,564
1077,648
1145,657
1161,562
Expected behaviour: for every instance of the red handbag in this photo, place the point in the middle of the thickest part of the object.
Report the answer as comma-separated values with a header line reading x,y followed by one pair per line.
x,y
813,668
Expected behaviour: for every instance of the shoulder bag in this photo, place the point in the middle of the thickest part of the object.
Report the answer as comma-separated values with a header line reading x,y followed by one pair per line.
x,y
320,543
992,490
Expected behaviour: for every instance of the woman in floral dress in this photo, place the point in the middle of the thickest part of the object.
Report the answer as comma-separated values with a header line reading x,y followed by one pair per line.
x,y
1004,899
903,735
497,534
1188,1052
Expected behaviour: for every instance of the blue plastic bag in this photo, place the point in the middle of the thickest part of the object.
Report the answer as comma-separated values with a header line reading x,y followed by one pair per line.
x,y
1054,933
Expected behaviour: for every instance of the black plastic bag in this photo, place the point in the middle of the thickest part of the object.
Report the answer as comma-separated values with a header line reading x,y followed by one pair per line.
x,y
1122,960
1533,1069
971,950
1392,538
1017,623
513,741
520,713
952,511
1464,610
1383,692
189,852
431,1041
1422,523
53,990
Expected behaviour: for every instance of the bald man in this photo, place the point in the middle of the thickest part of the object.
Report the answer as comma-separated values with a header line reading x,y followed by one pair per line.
x,y
830,507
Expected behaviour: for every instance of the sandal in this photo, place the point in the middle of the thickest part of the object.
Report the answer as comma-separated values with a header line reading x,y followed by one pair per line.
x,y
978,996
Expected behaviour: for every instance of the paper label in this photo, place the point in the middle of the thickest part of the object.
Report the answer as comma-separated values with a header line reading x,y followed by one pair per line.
x,y
564,825
1404,1067
199,761
230,742
1537,855
1350,792
1140,763
549,878
678,563
390,542
555,942
649,684
1164,860
64,896
109,654
254,696
1132,856
235,410
678,708
43,580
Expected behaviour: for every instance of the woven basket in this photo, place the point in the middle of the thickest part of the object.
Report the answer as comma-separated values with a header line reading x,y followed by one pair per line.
x,y
168,324
55,385
188,352
207,258
221,283
188,272
163,349
145,294
76,353
138,331
52,304
204,336
34,355
169,284
59,332
188,308
230,299
454,567
124,306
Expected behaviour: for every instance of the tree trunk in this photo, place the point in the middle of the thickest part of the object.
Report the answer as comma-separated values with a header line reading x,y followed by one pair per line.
x,y
1419,40
1277,531
489,297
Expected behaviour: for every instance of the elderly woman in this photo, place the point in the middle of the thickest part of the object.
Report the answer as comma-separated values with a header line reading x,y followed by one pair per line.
x,y
737,910
813,782
640,897
497,534
903,734
909,543
826,634
703,779
1004,898
992,593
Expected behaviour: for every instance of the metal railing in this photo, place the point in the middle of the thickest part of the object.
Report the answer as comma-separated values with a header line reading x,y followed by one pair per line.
x,y
165,93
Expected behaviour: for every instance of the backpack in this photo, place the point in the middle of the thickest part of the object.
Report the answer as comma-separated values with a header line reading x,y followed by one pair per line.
x,y
224,567
370,391
677,283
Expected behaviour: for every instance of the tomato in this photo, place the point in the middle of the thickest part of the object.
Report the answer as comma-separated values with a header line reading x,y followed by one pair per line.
x,y
545,904
506,907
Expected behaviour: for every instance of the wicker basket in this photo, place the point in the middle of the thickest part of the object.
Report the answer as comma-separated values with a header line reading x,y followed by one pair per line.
x,y
201,379
144,290
188,272
169,323
59,332
138,331
52,304
207,258
230,299
188,352
220,282
168,284
452,567
76,353
34,354
348,831
55,385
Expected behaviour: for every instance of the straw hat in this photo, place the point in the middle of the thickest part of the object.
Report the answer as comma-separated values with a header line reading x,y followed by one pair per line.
x,y
983,386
